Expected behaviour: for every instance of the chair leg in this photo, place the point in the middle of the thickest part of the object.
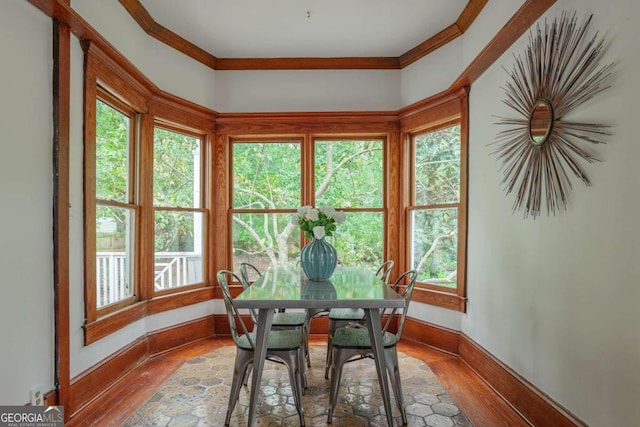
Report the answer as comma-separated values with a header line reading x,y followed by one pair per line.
x,y
247,374
302,371
332,327
292,361
339,358
336,373
242,363
304,349
306,332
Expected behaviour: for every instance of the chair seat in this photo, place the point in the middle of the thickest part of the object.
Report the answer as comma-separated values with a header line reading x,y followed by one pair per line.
x,y
286,339
291,318
346,314
349,337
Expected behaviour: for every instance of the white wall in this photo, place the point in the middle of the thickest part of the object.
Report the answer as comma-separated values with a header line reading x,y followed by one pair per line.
x,y
556,298
307,90
432,74
26,249
167,68
241,91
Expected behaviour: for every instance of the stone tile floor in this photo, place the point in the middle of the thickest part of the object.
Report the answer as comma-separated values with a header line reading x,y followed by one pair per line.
x,y
198,392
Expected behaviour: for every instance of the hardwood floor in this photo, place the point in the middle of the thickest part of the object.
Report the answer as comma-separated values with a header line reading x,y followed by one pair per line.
x,y
483,406
478,401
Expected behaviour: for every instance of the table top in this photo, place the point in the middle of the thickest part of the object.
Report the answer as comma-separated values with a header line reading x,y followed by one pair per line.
x,y
348,287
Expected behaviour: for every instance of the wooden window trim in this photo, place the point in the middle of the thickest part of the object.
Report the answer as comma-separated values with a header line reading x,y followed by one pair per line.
x,y
373,136
203,136
104,78
91,202
445,110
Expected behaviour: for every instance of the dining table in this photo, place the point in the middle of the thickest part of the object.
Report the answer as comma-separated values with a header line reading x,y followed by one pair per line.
x,y
288,288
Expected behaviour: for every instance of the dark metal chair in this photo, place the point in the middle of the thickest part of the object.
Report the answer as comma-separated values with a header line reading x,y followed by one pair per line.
x,y
284,346
281,319
351,343
339,317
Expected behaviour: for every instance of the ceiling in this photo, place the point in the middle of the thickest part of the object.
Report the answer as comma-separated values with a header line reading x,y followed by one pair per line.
x,y
209,30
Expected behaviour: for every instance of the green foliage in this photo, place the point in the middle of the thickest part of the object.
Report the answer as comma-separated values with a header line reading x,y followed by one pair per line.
x,y
359,240
349,174
174,167
267,175
437,182
435,246
437,166
112,138
176,159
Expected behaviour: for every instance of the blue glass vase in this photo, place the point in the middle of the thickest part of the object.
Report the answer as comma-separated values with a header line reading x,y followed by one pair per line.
x,y
318,259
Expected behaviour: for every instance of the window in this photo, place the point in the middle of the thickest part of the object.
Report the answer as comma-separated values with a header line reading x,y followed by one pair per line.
x,y
435,204
178,209
270,181
349,175
115,204
146,201
435,207
266,190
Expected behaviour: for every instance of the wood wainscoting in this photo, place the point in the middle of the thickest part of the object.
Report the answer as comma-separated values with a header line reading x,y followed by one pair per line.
x,y
93,391
90,390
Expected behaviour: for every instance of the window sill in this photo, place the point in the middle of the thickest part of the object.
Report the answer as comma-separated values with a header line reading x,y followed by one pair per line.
x,y
120,319
442,299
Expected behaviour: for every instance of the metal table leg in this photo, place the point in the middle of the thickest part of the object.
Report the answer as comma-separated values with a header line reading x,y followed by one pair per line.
x,y
377,345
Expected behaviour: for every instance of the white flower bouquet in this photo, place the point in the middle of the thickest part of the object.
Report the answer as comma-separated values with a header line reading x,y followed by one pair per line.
x,y
318,222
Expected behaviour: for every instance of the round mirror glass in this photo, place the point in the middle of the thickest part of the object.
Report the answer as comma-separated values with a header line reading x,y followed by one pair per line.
x,y
540,122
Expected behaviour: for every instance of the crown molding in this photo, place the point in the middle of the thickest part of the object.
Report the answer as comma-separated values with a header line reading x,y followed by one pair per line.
x,y
158,31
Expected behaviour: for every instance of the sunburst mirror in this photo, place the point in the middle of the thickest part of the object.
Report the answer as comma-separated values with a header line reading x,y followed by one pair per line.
x,y
540,150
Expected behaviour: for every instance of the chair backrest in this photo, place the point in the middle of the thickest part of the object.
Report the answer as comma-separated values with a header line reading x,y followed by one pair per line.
x,y
408,277
233,314
384,272
246,269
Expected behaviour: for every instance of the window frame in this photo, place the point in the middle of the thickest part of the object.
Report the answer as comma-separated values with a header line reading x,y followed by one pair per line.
x,y
131,203
297,139
433,114
385,200
202,202
413,207
307,186
104,77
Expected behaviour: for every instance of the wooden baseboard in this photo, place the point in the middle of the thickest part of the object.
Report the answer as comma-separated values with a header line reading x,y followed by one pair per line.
x,y
176,336
533,404
89,388
431,335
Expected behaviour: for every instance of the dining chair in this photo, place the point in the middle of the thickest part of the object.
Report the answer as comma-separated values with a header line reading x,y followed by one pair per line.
x,y
352,343
281,319
284,346
339,317
246,269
